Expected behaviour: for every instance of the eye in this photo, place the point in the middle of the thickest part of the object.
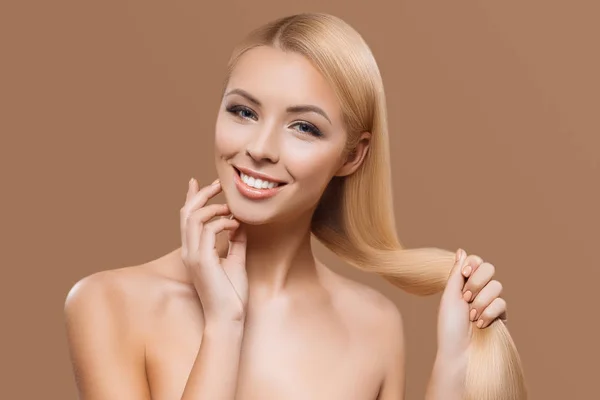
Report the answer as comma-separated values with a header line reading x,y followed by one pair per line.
x,y
305,127
241,111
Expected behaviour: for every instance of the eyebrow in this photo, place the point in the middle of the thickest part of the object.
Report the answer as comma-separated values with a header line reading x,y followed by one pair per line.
x,y
292,109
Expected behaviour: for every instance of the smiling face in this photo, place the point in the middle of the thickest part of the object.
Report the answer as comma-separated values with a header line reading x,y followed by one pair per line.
x,y
279,120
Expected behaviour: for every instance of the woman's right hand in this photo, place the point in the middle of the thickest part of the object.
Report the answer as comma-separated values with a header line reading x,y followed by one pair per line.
x,y
221,283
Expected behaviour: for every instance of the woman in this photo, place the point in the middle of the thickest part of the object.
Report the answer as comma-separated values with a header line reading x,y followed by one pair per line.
x,y
243,309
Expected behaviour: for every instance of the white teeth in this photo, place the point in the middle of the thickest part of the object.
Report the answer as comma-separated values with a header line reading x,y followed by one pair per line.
x,y
257,183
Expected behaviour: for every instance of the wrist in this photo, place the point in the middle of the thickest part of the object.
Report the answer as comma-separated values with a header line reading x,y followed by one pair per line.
x,y
224,327
451,365
224,316
447,379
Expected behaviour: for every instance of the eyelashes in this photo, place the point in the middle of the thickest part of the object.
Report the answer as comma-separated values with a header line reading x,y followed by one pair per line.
x,y
239,110
244,112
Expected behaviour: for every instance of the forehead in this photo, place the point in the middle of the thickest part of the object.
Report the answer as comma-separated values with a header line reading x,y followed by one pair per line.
x,y
277,77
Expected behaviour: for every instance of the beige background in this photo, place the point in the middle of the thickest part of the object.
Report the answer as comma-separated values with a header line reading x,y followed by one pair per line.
x,y
108,107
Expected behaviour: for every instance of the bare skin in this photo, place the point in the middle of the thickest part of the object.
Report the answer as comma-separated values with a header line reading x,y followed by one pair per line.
x,y
308,333
326,342
146,332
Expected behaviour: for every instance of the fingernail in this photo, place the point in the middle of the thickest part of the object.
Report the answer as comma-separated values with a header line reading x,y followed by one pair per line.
x,y
480,323
467,270
215,181
467,295
190,182
457,256
473,314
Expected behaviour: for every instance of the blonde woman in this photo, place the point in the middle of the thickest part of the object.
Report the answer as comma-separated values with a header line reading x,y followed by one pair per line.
x,y
244,310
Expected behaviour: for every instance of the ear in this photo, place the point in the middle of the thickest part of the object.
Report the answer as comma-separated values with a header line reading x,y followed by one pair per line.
x,y
356,156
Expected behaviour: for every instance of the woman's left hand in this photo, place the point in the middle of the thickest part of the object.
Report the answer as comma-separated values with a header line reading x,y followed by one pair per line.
x,y
482,293
471,294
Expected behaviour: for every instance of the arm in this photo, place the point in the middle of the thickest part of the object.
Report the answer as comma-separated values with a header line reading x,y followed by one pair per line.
x,y
447,379
222,288
107,349
107,360
393,384
215,371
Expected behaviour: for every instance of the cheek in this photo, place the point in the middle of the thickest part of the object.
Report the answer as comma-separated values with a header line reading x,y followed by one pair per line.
x,y
228,138
312,165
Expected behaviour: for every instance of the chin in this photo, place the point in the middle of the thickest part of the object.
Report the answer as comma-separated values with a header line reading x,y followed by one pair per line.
x,y
259,213
246,211
250,217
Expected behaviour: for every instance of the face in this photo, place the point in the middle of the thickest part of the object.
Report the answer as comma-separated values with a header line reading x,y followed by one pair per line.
x,y
279,137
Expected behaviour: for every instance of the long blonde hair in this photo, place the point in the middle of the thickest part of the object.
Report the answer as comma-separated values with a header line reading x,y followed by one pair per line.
x,y
355,217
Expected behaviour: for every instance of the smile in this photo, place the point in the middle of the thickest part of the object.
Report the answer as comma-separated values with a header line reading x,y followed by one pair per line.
x,y
257,183
256,188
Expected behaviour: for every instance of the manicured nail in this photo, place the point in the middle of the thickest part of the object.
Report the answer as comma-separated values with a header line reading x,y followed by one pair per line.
x,y
480,323
457,256
473,314
467,295
215,181
467,270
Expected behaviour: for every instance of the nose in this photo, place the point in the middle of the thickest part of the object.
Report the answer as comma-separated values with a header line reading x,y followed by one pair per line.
x,y
264,144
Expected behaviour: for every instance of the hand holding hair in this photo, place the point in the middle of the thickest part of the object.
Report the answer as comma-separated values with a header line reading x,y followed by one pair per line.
x,y
470,295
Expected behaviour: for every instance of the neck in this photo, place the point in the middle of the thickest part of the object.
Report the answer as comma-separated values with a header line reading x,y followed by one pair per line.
x,y
279,258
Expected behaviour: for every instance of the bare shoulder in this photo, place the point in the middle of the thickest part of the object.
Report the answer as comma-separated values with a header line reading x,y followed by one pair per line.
x,y
130,297
370,308
110,296
107,317
127,293
115,286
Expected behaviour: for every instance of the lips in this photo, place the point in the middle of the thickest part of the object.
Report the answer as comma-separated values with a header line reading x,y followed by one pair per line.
x,y
252,192
256,183
258,175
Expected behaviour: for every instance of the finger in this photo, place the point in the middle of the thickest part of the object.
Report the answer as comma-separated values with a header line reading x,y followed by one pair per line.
x,y
478,280
209,234
485,297
192,203
456,281
206,213
189,194
471,264
495,310
193,187
199,198
237,246
202,216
